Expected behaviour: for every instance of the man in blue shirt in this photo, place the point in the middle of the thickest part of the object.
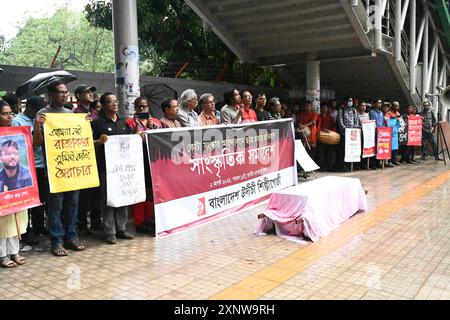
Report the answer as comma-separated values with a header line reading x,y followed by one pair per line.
x,y
37,214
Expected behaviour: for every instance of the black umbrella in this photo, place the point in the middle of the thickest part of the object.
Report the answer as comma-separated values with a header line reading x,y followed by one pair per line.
x,y
157,93
38,84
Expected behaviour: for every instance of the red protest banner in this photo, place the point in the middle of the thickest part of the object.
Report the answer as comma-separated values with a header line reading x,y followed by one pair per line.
x,y
384,143
18,182
414,131
201,174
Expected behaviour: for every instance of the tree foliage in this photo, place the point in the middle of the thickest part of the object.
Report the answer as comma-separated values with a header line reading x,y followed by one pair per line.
x,y
171,34
83,47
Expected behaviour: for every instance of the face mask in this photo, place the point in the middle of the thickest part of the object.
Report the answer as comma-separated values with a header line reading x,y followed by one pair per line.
x,y
349,104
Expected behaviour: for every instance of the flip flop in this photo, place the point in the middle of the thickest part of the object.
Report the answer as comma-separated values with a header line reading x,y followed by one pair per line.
x,y
17,258
59,251
6,262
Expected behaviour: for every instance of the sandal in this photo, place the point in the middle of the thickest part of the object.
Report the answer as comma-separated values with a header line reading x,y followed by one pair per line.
x,y
17,258
6,262
59,251
74,245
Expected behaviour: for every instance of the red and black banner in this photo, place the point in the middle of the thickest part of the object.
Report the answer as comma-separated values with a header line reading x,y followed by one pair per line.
x,y
200,172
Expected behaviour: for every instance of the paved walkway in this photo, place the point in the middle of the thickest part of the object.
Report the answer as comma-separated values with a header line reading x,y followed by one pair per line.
x,y
400,249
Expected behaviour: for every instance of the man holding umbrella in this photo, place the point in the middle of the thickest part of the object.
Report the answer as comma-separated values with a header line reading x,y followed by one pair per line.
x,y
61,223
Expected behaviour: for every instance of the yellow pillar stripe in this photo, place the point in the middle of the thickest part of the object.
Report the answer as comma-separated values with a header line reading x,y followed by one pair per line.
x,y
260,283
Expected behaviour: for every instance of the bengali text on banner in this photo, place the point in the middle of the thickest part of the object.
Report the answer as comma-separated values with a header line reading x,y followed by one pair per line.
x,y
70,154
201,174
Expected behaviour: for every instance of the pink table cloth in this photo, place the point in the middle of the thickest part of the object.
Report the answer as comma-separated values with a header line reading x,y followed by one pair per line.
x,y
322,205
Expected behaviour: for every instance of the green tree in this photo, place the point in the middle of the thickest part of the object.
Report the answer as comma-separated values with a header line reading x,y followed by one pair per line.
x,y
171,34
83,47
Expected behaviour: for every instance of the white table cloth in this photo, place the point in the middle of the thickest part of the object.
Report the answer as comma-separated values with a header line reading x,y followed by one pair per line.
x,y
322,205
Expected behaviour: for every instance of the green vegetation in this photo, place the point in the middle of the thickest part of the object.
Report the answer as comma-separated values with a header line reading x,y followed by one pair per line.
x,y
171,34
83,47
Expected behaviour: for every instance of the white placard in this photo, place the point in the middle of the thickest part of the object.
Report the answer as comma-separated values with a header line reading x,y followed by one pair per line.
x,y
303,158
125,176
368,128
352,145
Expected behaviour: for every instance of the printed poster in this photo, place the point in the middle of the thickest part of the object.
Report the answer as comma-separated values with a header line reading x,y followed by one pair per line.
x,y
125,177
352,145
384,143
369,128
70,154
18,181
414,131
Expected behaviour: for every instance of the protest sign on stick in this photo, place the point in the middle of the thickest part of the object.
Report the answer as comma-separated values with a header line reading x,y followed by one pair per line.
x,y
414,131
352,145
368,128
384,143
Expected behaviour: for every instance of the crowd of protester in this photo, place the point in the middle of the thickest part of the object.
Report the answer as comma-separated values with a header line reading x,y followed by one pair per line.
x,y
64,217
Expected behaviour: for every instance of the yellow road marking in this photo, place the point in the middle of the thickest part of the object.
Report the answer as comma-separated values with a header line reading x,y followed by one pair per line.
x,y
260,283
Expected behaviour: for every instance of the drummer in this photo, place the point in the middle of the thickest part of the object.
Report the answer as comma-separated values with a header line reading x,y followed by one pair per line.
x,y
308,127
326,153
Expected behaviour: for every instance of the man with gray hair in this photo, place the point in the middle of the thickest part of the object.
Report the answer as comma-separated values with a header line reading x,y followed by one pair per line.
x,y
275,108
186,115
208,115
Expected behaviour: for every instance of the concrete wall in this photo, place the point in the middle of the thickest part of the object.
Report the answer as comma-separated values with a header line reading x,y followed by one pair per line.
x,y
104,82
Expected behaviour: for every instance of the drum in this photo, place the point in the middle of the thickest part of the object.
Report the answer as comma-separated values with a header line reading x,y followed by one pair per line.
x,y
329,137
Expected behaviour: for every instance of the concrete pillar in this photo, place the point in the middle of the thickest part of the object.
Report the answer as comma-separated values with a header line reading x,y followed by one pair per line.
x,y
425,55
435,82
313,82
412,48
378,25
398,30
126,54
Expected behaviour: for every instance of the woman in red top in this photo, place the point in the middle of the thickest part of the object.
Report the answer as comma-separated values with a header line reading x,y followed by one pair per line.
x,y
326,153
143,213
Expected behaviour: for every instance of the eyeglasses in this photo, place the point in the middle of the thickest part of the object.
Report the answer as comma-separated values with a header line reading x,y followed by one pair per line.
x,y
14,153
142,107
5,114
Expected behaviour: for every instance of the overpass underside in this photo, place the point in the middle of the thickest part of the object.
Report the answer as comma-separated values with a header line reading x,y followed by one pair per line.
x,y
365,48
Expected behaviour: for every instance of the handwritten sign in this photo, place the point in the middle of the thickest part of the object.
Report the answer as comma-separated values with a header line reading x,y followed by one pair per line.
x,y
352,145
384,145
368,128
18,182
70,153
125,177
414,131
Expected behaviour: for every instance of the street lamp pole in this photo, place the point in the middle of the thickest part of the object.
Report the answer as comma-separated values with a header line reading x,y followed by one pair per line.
x,y
126,54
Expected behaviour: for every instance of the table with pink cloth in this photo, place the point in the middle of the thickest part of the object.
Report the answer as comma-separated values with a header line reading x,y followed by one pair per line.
x,y
320,205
